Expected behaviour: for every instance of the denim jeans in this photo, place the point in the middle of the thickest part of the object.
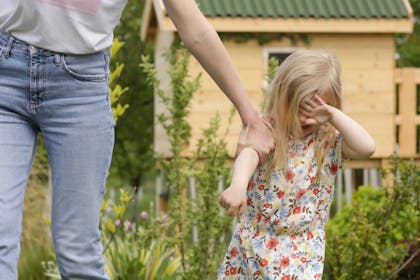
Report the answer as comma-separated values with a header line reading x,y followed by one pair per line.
x,y
66,99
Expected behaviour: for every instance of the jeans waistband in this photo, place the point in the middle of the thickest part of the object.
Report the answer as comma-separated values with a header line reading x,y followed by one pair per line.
x,y
9,43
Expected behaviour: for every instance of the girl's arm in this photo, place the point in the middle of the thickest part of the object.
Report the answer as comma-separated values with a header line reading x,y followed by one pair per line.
x,y
357,142
234,197
204,43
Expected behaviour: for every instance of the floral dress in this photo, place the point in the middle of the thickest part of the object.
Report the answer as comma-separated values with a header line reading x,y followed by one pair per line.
x,y
281,234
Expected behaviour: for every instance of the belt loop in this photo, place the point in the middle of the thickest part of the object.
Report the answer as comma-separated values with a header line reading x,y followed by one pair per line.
x,y
9,47
57,59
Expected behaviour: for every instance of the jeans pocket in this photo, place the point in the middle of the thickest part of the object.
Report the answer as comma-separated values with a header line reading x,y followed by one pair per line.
x,y
90,67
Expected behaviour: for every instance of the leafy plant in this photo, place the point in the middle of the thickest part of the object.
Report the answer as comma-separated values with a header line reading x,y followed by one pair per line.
x,y
200,253
376,236
116,90
127,260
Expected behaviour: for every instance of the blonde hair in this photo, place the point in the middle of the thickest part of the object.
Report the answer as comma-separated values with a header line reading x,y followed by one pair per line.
x,y
301,75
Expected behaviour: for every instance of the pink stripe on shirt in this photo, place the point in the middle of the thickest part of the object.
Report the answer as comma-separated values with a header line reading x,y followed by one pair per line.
x,y
85,6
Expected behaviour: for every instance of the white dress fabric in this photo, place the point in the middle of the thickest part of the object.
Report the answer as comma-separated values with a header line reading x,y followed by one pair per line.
x,y
281,234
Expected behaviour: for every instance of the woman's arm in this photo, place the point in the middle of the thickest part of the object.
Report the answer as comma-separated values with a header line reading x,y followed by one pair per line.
x,y
204,43
234,197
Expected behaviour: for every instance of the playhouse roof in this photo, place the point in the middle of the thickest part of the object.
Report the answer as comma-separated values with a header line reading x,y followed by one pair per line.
x,y
291,16
304,8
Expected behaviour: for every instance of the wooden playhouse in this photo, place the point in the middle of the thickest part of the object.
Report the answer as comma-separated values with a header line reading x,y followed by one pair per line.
x,y
361,33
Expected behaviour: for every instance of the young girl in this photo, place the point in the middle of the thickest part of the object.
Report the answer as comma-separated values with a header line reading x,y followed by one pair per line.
x,y
283,204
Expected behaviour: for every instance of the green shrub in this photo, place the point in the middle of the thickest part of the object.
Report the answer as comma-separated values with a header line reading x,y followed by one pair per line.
x,y
200,254
372,238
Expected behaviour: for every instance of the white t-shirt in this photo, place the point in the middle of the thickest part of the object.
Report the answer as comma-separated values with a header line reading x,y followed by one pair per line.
x,y
65,26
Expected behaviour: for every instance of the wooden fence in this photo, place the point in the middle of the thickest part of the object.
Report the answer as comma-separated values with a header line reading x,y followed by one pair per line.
x,y
407,118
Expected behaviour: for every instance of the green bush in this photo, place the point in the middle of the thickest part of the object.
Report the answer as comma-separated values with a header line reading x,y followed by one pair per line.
x,y
373,238
202,253
36,244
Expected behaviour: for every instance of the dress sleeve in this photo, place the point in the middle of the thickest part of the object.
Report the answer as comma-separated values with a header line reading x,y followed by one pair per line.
x,y
334,157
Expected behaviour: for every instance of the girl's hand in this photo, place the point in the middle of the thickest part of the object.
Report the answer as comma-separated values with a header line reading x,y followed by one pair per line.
x,y
232,199
315,111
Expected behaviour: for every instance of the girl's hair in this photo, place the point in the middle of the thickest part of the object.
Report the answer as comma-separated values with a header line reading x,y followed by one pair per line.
x,y
301,75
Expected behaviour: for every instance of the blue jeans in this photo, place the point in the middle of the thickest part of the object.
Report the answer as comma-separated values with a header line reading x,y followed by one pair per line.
x,y
66,98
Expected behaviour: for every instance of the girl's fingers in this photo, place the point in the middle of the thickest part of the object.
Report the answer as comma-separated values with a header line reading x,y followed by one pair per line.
x,y
319,100
309,121
221,201
231,211
304,114
241,209
306,111
308,105
312,103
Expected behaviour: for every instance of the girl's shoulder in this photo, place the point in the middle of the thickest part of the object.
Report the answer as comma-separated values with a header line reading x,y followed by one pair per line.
x,y
326,133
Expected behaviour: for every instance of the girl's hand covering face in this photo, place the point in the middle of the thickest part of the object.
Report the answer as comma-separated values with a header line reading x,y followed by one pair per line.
x,y
313,113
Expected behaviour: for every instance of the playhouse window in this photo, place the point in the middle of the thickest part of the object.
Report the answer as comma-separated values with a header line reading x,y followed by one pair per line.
x,y
280,56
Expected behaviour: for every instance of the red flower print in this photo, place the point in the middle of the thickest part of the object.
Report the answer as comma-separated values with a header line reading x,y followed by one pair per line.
x,y
263,262
309,235
300,193
296,210
334,168
289,175
329,189
272,243
312,179
234,252
259,215
233,270
284,262
268,205
285,277
315,191
261,187
257,233
303,259
249,201
227,272
280,194
318,276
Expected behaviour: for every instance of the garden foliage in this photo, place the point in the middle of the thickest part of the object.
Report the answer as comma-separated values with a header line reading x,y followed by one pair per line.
x,y
377,236
202,252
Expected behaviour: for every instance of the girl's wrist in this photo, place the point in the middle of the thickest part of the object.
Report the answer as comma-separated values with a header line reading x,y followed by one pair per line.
x,y
333,115
238,185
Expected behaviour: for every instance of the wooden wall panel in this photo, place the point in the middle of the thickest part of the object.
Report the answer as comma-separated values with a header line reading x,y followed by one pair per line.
x,y
368,83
